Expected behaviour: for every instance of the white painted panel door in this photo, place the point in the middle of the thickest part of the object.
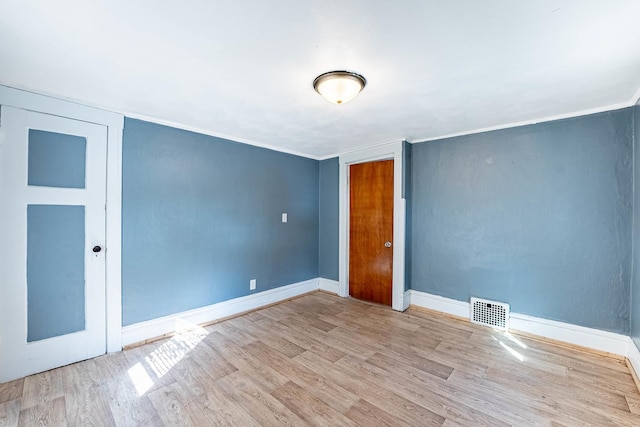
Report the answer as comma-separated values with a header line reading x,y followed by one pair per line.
x,y
52,233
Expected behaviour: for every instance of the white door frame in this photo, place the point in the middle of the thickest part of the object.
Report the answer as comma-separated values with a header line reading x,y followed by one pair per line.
x,y
391,151
113,243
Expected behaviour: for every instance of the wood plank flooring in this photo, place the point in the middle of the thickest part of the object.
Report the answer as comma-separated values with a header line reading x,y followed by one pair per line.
x,y
327,361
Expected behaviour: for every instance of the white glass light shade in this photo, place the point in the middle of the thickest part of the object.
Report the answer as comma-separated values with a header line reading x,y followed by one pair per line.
x,y
339,87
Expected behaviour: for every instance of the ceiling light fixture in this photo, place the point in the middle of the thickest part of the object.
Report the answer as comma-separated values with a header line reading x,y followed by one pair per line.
x,y
339,87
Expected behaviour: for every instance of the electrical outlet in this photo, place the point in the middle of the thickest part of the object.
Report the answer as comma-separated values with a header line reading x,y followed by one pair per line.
x,y
252,284
284,217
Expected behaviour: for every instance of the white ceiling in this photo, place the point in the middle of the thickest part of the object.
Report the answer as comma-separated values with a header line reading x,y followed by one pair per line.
x,y
243,69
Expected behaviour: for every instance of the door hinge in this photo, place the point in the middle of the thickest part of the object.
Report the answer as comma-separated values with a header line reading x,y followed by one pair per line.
x,y
1,136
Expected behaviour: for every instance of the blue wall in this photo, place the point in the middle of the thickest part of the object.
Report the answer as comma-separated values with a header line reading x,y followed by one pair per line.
x,y
406,194
538,216
202,216
635,283
329,218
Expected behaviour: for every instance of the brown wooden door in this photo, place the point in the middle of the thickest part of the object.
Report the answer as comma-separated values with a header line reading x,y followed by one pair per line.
x,y
370,227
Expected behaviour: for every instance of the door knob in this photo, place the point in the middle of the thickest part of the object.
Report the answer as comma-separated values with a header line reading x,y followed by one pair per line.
x,y
387,245
96,249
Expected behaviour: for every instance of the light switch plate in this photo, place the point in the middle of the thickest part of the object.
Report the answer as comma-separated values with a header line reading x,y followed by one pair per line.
x,y
284,217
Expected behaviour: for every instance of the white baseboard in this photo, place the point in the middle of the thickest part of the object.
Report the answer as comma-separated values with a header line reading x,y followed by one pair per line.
x,y
438,303
328,285
406,301
578,335
595,339
149,329
634,358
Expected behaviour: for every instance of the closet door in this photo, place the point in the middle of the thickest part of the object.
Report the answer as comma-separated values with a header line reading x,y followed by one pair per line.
x,y
52,228
371,231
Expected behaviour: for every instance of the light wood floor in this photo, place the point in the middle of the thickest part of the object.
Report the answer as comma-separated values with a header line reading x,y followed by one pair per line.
x,y
324,360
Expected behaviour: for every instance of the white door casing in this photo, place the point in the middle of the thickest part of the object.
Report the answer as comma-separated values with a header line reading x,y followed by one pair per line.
x,y
391,151
18,357
115,124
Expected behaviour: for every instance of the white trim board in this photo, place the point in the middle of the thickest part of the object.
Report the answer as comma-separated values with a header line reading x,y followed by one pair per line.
x,y
595,339
636,98
163,122
634,358
406,300
155,328
229,138
151,329
55,106
573,334
328,285
438,303
575,114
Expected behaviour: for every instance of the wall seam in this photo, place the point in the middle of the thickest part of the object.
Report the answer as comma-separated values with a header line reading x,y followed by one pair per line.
x,y
320,217
633,217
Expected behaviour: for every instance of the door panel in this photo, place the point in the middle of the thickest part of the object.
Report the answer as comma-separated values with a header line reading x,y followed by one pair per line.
x,y
370,228
53,188
56,160
55,271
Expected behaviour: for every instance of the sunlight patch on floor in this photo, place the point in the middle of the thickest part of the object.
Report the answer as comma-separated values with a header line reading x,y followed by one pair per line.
x,y
506,345
174,350
140,378
513,352
515,340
